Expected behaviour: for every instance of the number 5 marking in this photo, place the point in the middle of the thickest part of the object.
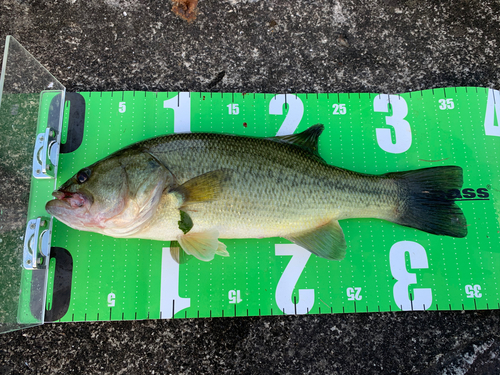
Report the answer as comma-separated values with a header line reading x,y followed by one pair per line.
x,y
422,299
294,115
402,129
289,279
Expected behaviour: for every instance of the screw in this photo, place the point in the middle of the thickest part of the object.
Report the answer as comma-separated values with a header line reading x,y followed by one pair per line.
x,y
32,226
28,261
38,171
41,138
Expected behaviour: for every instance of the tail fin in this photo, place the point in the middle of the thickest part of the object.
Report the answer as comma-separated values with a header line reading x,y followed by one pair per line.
x,y
424,204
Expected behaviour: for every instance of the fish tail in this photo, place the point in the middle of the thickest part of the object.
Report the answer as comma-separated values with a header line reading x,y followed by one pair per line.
x,y
423,203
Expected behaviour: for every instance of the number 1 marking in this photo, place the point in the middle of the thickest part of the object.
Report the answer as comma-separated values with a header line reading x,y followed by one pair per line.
x,y
181,104
289,279
170,301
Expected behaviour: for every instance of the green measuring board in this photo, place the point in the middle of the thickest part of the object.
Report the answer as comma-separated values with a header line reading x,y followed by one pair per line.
x,y
387,267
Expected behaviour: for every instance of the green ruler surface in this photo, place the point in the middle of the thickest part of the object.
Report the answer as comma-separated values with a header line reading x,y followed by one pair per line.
x,y
387,267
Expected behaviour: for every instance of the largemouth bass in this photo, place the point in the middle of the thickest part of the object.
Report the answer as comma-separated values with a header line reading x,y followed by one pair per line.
x,y
199,187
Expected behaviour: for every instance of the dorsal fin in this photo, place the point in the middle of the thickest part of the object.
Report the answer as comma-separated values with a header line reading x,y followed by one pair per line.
x,y
307,140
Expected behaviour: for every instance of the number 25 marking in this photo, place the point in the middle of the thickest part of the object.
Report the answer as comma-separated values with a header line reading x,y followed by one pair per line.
x,y
402,129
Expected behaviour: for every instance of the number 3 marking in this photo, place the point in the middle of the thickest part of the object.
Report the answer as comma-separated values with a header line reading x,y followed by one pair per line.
x,y
402,129
422,299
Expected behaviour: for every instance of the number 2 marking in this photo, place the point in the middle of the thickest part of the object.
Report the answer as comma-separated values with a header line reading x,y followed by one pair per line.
x,y
422,299
294,115
289,279
402,129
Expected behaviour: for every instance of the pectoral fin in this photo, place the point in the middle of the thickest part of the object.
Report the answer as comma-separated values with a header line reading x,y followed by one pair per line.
x,y
206,187
203,245
327,241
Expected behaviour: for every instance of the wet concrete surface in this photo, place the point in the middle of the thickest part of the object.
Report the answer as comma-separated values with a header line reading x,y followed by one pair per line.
x,y
262,46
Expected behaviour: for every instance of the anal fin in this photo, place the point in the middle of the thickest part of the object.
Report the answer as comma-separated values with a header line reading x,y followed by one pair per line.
x,y
327,241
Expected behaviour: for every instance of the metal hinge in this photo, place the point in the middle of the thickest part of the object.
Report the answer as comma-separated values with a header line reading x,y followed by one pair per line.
x,y
37,243
46,154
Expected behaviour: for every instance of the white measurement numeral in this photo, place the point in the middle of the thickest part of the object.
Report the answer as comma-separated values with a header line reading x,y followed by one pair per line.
x,y
181,105
492,108
122,107
339,109
234,296
354,294
289,279
422,298
446,104
473,291
402,129
111,300
233,109
294,115
170,301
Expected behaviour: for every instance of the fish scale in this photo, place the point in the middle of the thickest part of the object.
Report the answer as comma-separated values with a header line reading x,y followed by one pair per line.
x,y
278,188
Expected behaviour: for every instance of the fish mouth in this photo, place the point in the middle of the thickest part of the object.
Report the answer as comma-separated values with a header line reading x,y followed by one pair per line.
x,y
73,199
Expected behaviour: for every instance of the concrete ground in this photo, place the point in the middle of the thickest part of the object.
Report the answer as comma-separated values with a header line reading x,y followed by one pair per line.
x,y
262,46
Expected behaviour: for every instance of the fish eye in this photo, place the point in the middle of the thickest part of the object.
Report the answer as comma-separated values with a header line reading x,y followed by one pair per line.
x,y
83,176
